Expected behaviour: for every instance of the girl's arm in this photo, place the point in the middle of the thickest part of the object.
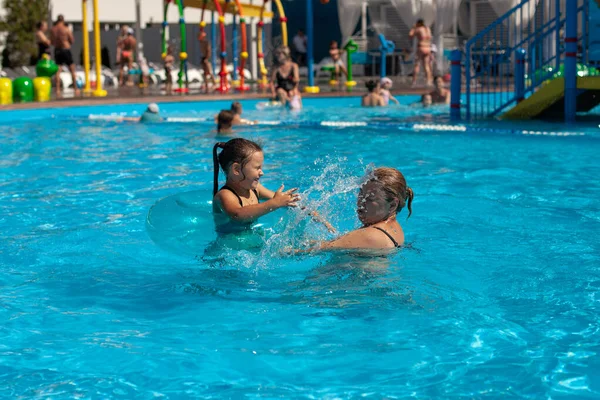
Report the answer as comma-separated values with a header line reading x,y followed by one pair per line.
x,y
392,98
229,203
264,193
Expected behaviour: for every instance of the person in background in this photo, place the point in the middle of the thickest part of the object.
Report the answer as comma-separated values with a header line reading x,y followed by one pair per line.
x,y
120,39
423,56
151,115
225,122
169,61
43,43
373,98
205,50
299,43
439,95
336,55
285,79
236,109
127,47
386,85
62,39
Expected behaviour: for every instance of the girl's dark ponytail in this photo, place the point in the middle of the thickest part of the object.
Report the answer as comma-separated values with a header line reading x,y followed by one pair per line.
x,y
409,196
218,145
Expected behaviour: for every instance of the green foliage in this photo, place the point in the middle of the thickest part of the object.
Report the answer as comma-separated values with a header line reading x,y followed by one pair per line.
x,y
19,23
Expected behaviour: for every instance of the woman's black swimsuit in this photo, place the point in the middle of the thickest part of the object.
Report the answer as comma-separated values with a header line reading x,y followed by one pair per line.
x,y
288,84
43,48
388,235
238,196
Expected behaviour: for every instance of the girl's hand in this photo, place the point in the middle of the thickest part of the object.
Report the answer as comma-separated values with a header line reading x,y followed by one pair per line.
x,y
285,199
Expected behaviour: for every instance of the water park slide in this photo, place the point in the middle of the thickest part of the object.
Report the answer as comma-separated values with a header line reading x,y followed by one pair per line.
x,y
548,101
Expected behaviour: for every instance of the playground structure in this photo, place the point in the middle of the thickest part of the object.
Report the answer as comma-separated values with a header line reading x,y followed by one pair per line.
x,y
549,83
239,12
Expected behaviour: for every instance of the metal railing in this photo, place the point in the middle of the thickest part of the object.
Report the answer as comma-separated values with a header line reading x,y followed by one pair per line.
x,y
533,26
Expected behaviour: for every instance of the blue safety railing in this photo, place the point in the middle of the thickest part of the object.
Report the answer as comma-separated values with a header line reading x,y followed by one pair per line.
x,y
529,33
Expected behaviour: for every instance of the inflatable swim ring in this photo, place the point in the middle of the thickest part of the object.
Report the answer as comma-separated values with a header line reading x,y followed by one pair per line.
x,y
183,224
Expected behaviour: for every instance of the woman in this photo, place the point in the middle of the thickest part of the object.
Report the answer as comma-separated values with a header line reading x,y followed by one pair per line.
x,y
372,98
285,79
423,56
43,43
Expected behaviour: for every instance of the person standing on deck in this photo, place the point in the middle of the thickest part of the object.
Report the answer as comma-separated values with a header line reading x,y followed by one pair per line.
x,y
61,38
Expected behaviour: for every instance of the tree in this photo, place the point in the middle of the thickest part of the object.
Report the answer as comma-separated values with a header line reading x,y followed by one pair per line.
x,y
19,23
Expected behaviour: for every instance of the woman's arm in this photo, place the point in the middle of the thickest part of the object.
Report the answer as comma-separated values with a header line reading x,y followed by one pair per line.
x,y
296,75
273,79
358,239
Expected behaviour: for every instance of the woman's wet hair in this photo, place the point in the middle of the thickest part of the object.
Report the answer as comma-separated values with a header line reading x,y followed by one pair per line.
x,y
236,150
371,85
420,22
236,107
391,184
224,120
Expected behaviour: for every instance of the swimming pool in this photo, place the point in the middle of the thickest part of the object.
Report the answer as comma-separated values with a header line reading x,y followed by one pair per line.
x,y
496,296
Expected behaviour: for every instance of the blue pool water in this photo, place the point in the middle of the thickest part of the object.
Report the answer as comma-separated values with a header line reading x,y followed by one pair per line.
x,y
497,295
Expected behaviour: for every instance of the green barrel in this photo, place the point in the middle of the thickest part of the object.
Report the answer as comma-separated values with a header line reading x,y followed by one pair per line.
x,y
22,90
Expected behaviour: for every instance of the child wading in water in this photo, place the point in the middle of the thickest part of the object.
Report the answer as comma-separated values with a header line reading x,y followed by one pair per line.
x,y
237,204
380,199
386,85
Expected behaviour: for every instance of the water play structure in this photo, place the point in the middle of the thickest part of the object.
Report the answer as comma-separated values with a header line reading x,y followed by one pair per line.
x,y
240,12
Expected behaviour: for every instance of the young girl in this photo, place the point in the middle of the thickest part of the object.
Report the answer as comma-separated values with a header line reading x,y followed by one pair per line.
x,y
380,199
386,85
237,204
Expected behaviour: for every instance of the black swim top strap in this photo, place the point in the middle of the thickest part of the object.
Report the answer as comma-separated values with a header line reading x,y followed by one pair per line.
x,y
238,196
387,234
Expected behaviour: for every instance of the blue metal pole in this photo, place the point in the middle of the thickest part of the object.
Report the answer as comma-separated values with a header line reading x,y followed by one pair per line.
x,y
311,88
520,75
386,47
213,43
234,73
571,61
455,84
557,31
382,56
